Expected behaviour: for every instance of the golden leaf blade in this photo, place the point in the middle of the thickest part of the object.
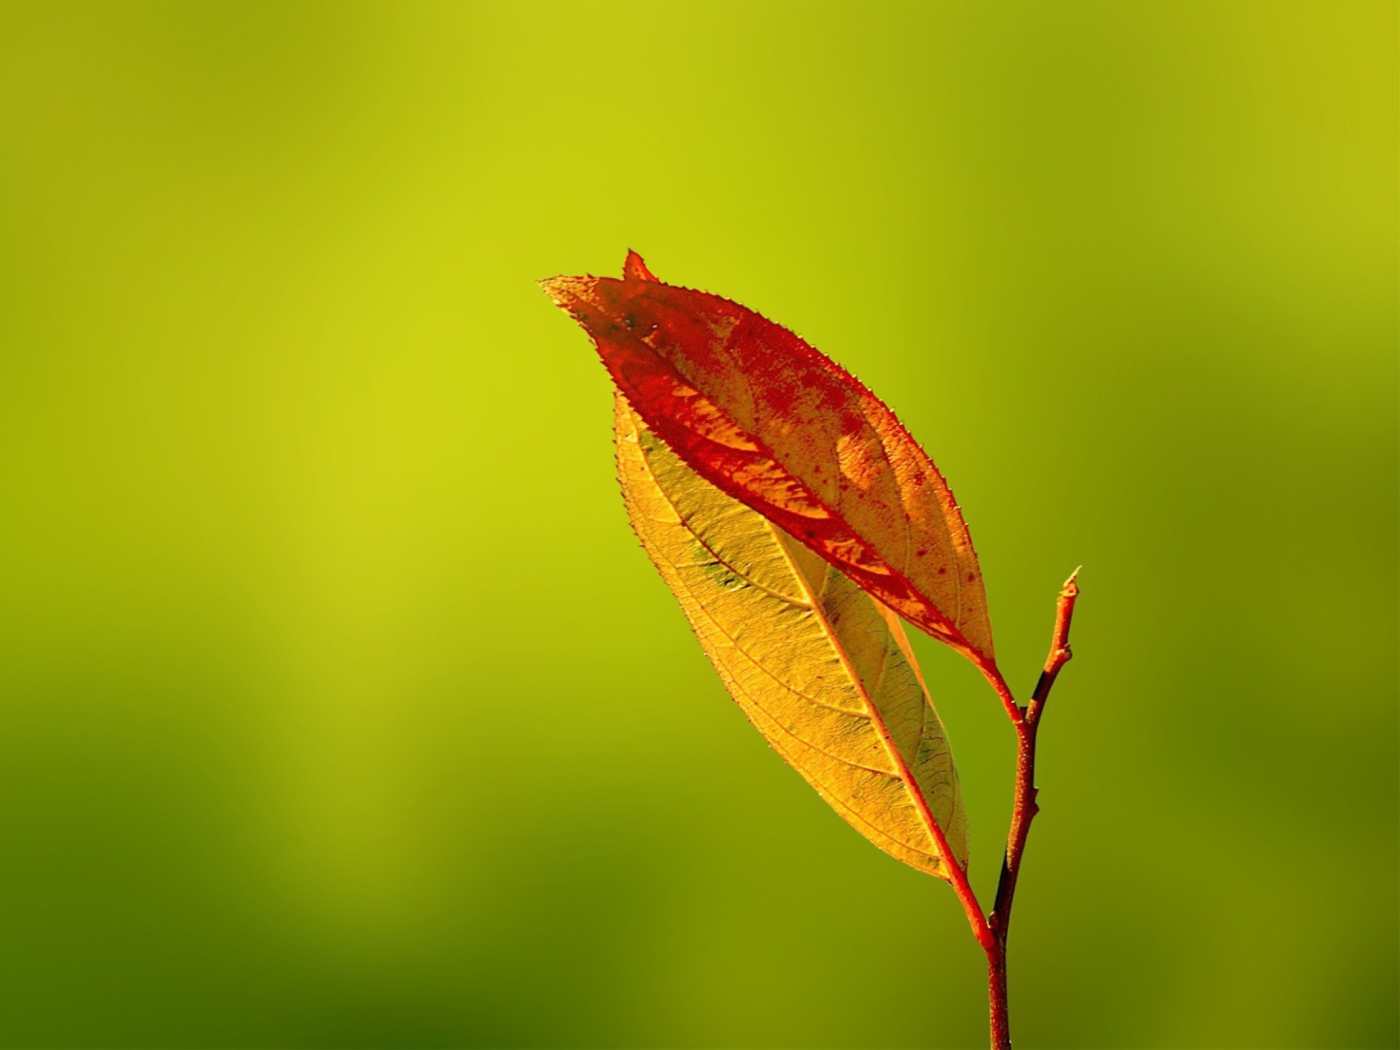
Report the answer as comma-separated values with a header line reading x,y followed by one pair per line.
x,y
822,669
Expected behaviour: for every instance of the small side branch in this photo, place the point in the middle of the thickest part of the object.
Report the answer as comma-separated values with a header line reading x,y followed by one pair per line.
x,y
1060,653
1024,809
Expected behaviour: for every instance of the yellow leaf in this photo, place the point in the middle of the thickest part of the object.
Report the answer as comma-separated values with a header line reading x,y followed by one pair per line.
x,y
822,669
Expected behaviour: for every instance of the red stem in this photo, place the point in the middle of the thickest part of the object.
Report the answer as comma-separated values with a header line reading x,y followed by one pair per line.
x,y
981,928
1023,811
992,673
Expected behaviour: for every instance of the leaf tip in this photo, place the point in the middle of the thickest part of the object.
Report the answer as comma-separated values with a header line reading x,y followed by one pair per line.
x,y
565,291
635,268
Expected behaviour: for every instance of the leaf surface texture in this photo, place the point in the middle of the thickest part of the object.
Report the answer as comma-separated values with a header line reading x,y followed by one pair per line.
x,y
821,669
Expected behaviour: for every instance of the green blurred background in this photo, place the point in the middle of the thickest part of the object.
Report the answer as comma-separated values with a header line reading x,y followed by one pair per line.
x,y
338,706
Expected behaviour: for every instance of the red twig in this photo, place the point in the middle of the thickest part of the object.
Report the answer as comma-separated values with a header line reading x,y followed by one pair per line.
x,y
1024,809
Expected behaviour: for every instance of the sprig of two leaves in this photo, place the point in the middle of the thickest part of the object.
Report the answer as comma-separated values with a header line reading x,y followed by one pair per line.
x,y
793,516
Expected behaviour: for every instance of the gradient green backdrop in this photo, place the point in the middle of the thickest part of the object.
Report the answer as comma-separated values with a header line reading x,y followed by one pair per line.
x,y
338,705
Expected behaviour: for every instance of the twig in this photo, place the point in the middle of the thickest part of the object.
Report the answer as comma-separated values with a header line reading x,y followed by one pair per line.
x,y
1023,811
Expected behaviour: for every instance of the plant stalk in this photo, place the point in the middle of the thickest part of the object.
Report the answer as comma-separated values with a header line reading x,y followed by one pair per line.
x,y
1024,808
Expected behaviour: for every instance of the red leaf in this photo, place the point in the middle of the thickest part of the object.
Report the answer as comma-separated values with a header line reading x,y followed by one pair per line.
x,y
779,426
